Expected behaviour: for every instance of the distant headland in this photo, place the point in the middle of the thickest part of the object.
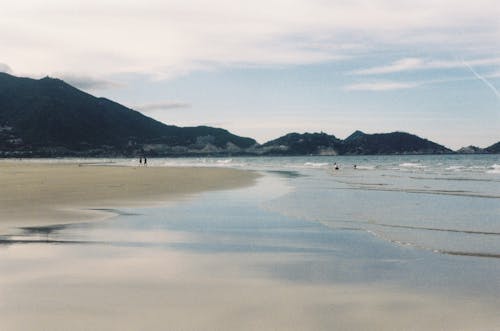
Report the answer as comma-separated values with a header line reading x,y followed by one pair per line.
x,y
50,118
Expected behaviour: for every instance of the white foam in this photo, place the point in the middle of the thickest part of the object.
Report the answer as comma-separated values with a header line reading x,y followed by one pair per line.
x,y
455,168
365,167
412,165
494,169
316,164
225,161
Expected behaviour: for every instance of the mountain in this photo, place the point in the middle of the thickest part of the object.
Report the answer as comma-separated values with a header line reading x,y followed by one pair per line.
x,y
471,150
390,143
303,144
494,149
50,117
357,143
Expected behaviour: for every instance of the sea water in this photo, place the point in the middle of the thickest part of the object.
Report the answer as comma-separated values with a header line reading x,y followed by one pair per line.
x,y
448,204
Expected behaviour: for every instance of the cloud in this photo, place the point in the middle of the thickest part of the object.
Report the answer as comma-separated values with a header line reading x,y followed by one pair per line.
x,y
176,37
5,68
412,64
495,74
88,83
162,106
385,85
381,86
397,66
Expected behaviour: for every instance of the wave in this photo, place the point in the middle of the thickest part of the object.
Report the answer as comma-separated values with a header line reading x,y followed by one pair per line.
x,y
464,179
434,250
455,168
316,164
412,165
475,254
424,191
488,233
411,227
494,169
367,167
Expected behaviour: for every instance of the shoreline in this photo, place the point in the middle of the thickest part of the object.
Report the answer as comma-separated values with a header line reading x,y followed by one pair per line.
x,y
40,194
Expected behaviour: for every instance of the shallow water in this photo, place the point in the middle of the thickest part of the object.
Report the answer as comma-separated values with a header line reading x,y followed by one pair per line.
x,y
308,247
443,203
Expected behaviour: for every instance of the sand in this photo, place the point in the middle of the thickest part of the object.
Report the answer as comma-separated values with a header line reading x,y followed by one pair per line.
x,y
142,289
37,194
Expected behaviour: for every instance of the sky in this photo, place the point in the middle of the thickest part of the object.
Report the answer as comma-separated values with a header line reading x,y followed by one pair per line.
x,y
264,68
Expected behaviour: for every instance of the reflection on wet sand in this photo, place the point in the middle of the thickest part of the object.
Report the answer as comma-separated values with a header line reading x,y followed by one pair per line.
x,y
221,262
75,287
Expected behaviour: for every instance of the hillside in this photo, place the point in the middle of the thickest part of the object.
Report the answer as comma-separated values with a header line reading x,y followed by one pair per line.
x,y
357,143
494,149
471,150
303,144
49,116
390,143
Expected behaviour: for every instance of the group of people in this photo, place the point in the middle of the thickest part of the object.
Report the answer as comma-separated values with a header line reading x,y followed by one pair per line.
x,y
145,162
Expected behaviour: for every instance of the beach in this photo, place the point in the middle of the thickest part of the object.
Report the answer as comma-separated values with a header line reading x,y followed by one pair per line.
x,y
284,244
37,194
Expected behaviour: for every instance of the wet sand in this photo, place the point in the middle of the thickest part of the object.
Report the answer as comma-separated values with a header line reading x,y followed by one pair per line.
x,y
42,194
143,289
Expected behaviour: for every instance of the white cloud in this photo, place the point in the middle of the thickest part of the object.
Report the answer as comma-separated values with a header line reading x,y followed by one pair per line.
x,y
88,83
167,105
495,74
381,86
168,38
411,64
5,68
385,85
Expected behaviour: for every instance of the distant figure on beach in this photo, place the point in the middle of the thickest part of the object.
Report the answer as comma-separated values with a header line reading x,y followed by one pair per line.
x,y
140,160
145,161
355,166
336,166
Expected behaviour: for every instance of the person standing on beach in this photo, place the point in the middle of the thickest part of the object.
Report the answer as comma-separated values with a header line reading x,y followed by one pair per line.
x,y
140,160
145,161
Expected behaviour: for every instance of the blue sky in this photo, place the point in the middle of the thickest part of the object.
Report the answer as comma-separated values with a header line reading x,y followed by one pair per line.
x,y
266,68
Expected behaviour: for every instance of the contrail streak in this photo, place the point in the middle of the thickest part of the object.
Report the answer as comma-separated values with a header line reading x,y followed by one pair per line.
x,y
481,78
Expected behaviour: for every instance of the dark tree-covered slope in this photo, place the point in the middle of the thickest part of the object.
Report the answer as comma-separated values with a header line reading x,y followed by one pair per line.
x,y
390,143
494,149
303,144
50,113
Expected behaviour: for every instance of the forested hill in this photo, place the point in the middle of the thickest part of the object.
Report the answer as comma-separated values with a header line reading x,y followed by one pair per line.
x,y
49,116
357,143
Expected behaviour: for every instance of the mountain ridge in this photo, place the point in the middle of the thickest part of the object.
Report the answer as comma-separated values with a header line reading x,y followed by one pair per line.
x,y
48,117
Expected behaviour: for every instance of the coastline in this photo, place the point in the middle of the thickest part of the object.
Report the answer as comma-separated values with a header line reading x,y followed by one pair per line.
x,y
38,194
